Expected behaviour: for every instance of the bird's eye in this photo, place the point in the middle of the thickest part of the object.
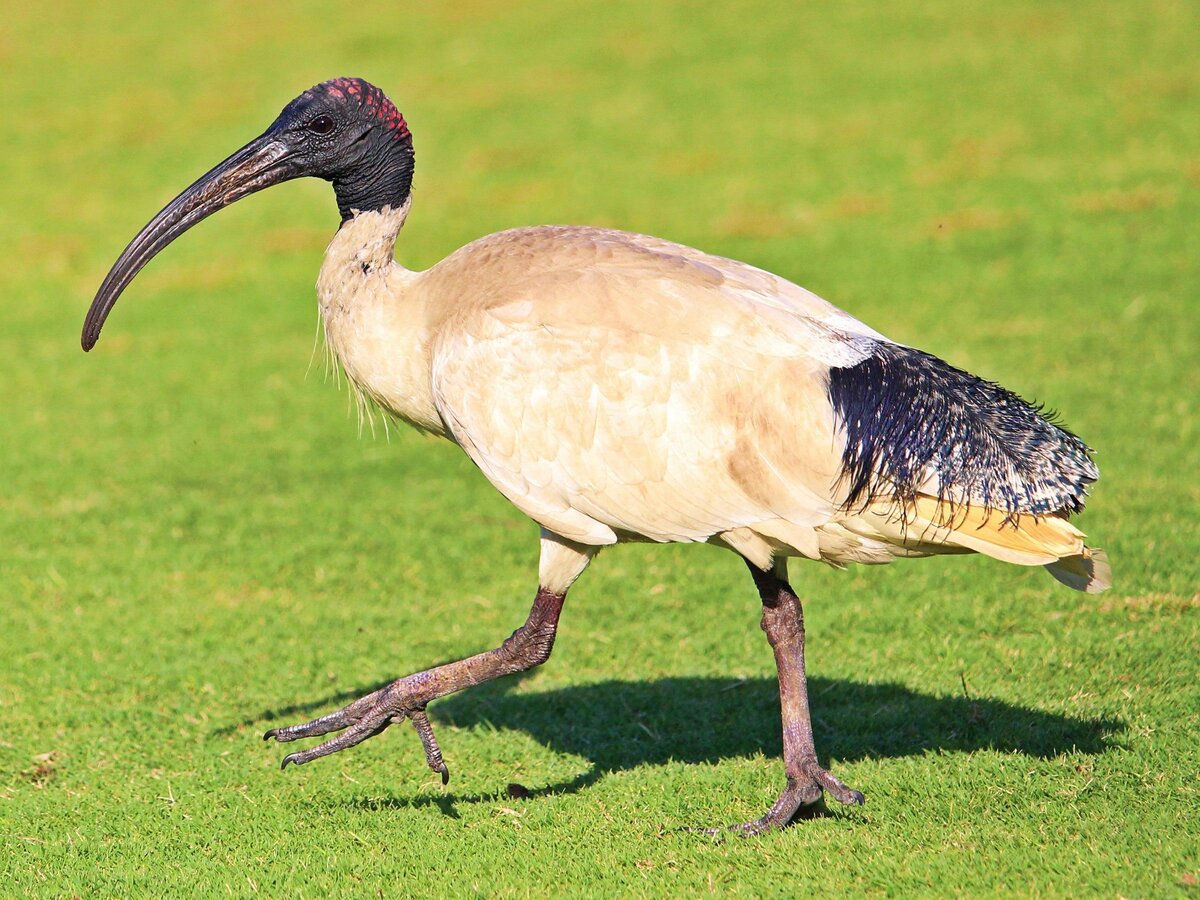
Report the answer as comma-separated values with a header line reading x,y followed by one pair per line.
x,y
321,125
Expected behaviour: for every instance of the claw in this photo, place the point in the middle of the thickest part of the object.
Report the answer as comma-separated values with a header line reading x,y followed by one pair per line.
x,y
406,697
853,798
366,727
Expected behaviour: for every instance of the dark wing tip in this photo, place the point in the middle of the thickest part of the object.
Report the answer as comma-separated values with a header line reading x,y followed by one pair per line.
x,y
908,415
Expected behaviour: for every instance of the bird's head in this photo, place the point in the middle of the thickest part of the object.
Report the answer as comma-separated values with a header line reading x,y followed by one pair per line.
x,y
345,131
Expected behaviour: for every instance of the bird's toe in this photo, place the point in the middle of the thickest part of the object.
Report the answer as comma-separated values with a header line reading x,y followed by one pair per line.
x,y
822,780
803,798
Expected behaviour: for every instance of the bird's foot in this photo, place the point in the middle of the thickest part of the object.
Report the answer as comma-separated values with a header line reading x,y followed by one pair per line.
x,y
362,719
802,798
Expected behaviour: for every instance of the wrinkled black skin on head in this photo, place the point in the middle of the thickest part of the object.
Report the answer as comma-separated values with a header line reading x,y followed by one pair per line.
x,y
369,164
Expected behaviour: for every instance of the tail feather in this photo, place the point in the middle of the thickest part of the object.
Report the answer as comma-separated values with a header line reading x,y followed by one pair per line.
x,y
1088,572
936,460
1025,540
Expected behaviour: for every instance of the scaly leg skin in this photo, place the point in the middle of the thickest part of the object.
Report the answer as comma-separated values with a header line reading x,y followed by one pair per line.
x,y
783,621
528,646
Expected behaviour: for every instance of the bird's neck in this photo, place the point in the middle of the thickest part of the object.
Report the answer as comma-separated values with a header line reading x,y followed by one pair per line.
x,y
366,241
375,319
380,178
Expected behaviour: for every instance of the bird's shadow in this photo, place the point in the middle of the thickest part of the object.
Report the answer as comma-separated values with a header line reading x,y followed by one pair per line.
x,y
619,725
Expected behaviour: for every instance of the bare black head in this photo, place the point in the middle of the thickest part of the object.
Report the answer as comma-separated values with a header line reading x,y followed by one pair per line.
x,y
345,131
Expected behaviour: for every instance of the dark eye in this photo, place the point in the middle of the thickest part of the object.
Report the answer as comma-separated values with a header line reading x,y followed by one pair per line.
x,y
321,125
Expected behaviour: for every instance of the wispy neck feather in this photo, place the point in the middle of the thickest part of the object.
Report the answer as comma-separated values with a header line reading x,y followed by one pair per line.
x,y
374,318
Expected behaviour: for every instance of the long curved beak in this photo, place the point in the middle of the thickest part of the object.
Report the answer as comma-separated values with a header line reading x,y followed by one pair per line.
x,y
261,163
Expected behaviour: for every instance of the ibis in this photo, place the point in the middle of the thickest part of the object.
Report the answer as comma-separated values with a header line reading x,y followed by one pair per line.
x,y
617,387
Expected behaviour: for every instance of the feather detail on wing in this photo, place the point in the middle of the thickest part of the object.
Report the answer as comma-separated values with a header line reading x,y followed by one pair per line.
x,y
617,435
619,390
935,457
616,387
915,424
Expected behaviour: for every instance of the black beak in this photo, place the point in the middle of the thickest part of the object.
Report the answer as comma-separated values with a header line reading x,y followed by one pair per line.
x,y
263,162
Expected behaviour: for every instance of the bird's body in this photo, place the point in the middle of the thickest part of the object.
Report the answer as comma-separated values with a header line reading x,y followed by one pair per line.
x,y
618,387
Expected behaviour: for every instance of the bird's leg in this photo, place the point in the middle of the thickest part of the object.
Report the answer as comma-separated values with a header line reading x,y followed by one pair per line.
x,y
783,621
528,646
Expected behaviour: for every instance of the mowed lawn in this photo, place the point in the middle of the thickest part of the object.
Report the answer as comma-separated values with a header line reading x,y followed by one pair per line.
x,y
198,541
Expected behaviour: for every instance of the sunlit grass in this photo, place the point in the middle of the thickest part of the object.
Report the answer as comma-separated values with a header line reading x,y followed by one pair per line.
x,y
196,544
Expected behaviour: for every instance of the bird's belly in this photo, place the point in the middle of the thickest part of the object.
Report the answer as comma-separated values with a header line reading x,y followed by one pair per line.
x,y
598,451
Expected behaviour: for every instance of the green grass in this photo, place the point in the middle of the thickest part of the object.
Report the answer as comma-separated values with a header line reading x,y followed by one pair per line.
x,y
195,543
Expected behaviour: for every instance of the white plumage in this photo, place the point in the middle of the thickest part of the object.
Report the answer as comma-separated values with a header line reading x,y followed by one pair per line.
x,y
619,387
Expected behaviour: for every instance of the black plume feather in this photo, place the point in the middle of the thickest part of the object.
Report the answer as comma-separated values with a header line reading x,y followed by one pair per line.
x,y
911,419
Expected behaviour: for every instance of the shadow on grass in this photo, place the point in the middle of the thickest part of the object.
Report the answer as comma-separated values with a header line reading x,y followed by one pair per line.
x,y
619,725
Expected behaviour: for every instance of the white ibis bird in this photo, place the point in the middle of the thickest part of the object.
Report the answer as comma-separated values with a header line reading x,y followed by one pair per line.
x,y
617,387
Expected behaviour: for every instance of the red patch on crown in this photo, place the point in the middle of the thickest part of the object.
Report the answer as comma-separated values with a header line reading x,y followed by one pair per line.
x,y
373,100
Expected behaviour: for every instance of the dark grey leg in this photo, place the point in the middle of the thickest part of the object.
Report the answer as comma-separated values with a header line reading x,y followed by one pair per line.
x,y
783,621
528,646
